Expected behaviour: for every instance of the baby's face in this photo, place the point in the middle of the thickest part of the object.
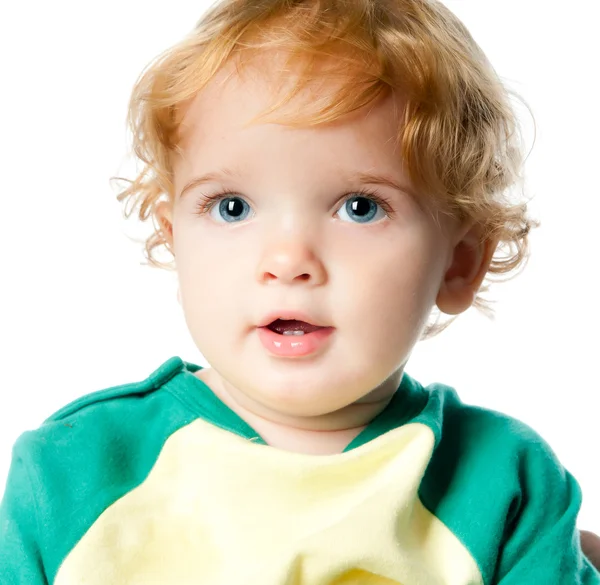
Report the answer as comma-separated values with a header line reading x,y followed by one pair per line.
x,y
294,235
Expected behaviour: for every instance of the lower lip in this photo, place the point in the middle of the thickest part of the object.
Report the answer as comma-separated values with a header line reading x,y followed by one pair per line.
x,y
294,345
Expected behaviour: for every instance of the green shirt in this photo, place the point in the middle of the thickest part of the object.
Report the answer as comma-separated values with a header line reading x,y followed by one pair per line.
x,y
159,482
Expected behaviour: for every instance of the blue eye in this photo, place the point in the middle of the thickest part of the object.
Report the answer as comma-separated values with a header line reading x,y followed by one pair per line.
x,y
230,207
227,207
364,209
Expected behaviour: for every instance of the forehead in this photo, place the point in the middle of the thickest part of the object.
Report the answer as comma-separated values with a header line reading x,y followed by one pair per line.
x,y
222,110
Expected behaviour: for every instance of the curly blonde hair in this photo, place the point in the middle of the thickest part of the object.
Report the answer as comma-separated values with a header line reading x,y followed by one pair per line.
x,y
460,140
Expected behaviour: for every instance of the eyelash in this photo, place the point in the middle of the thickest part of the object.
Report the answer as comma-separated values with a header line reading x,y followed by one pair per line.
x,y
206,202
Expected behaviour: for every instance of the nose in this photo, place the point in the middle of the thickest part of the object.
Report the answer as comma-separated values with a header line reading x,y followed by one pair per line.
x,y
290,261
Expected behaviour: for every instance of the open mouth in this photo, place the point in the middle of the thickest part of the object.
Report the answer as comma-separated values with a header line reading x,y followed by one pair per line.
x,y
294,338
292,327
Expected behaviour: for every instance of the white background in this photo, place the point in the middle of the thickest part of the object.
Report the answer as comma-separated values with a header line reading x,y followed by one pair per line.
x,y
80,313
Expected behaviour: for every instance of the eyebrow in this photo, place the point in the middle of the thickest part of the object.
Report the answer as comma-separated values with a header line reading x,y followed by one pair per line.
x,y
361,177
207,178
376,179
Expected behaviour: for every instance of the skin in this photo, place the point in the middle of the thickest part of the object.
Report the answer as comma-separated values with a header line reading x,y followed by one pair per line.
x,y
298,246
590,543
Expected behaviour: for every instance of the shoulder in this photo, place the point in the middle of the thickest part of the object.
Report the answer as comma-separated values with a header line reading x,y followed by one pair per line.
x,y
110,413
99,425
487,473
480,435
481,453
96,449
121,395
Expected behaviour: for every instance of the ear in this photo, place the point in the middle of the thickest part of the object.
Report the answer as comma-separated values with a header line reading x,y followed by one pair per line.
x,y
470,261
164,215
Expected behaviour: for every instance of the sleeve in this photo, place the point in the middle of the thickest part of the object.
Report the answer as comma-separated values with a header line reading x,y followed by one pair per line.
x,y
542,543
20,550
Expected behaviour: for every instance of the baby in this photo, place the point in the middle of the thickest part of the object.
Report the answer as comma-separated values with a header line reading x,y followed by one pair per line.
x,y
345,167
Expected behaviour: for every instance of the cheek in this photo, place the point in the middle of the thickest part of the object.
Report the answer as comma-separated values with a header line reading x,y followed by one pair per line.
x,y
214,281
200,252
393,287
200,264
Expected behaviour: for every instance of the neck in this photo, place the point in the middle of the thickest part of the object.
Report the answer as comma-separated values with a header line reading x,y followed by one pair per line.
x,y
326,434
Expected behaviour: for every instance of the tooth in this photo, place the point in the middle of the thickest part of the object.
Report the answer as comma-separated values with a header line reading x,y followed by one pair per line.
x,y
291,332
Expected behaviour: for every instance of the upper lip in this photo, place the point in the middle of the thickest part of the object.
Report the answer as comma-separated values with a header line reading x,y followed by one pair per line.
x,y
289,315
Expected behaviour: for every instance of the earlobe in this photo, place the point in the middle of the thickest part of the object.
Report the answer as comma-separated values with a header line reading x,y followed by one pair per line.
x,y
470,262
